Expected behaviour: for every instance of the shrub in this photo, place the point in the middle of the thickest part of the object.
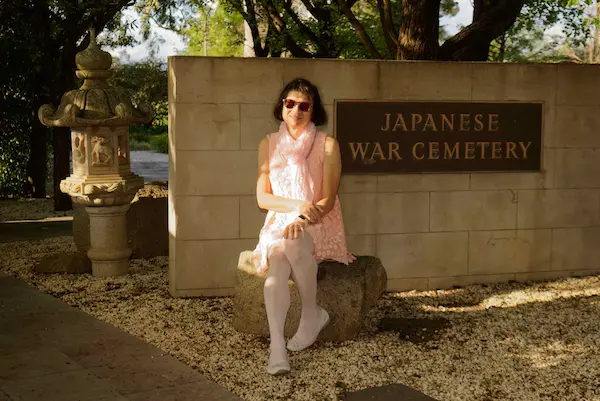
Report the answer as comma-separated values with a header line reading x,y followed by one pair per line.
x,y
160,143
14,155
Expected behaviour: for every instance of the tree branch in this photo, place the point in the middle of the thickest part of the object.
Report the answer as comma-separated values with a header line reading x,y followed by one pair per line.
x,y
320,13
492,22
165,27
306,30
479,7
390,34
250,19
268,38
309,6
270,48
99,21
237,5
279,25
360,30
259,51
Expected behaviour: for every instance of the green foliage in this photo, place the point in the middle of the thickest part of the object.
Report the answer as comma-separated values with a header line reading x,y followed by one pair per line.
x,y
526,47
160,143
528,39
328,24
348,43
38,43
147,82
16,95
168,14
14,154
543,14
221,31
141,137
449,7
284,27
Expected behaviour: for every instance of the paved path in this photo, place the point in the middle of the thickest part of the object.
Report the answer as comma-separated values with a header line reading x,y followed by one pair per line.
x,y
153,166
50,351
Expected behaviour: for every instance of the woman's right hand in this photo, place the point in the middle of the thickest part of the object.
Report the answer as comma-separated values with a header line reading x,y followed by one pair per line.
x,y
311,211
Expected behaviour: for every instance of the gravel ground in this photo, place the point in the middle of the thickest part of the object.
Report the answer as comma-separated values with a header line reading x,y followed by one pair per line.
x,y
29,209
536,341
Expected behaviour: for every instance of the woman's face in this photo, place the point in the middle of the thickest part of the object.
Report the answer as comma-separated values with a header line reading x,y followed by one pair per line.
x,y
297,110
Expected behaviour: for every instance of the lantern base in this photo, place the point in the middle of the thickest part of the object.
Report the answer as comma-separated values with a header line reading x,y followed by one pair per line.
x,y
108,251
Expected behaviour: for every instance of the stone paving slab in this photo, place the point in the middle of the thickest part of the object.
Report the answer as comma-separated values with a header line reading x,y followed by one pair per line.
x,y
26,364
19,300
392,392
77,385
147,374
187,392
51,351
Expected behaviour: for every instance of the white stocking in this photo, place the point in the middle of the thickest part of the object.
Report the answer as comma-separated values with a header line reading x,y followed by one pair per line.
x,y
277,303
299,253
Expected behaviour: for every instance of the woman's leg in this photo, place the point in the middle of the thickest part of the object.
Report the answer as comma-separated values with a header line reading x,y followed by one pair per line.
x,y
277,303
299,253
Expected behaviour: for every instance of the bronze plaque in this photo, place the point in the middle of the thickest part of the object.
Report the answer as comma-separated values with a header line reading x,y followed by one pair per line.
x,y
395,136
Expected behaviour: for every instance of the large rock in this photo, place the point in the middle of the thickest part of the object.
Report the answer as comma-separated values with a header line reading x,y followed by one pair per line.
x,y
147,223
346,292
68,262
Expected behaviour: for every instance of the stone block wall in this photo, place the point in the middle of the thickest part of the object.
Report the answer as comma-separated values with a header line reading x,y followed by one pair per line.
x,y
430,230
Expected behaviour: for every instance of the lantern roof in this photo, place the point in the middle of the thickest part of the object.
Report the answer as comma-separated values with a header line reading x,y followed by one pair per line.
x,y
95,103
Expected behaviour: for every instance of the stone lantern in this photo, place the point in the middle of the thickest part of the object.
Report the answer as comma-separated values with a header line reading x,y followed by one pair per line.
x,y
99,116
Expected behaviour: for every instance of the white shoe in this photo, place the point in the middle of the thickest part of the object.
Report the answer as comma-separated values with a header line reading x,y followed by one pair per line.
x,y
278,362
294,344
279,368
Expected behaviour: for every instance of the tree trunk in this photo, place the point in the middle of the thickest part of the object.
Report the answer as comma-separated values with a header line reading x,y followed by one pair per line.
x,y
419,30
326,34
474,50
491,19
596,40
62,143
36,166
387,25
62,167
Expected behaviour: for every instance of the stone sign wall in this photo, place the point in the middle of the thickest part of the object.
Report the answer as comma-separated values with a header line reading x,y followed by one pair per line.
x,y
456,226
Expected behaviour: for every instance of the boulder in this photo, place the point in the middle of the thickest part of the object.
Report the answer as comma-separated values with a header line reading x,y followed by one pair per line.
x,y
346,292
147,223
69,262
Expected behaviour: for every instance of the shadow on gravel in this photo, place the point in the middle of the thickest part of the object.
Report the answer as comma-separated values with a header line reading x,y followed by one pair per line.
x,y
32,231
415,330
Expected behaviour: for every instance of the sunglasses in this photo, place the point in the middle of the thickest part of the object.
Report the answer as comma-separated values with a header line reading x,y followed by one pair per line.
x,y
303,106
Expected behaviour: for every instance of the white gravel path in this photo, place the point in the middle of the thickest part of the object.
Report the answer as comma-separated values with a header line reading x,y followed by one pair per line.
x,y
536,341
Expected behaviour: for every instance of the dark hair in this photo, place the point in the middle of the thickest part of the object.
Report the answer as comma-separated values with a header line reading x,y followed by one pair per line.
x,y
319,115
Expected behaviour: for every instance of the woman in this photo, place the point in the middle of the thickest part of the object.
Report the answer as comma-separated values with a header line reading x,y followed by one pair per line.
x,y
298,177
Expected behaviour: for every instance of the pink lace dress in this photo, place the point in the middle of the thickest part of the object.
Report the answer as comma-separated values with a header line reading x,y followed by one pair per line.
x,y
296,172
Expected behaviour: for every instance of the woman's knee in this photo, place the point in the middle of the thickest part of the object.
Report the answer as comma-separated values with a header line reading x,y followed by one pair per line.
x,y
279,269
298,248
272,283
